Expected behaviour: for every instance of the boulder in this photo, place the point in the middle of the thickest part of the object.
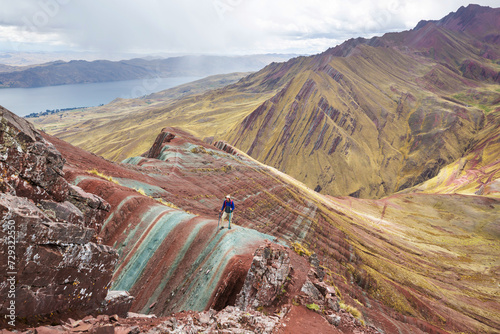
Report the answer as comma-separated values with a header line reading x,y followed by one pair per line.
x,y
334,319
311,291
117,302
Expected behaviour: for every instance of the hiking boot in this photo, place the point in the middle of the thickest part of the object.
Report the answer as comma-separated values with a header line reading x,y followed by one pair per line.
x,y
229,227
222,227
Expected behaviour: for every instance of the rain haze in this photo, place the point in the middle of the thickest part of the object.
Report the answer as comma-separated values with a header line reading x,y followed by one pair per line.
x,y
224,27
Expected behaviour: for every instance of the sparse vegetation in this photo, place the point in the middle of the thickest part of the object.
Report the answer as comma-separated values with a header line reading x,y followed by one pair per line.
x,y
158,199
337,291
351,309
485,100
312,306
107,177
142,192
162,201
300,249
199,149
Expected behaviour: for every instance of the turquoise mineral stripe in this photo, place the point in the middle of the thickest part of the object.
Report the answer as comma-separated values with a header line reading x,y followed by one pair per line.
x,y
134,268
194,269
133,160
147,218
80,178
148,189
118,208
165,154
173,267
202,285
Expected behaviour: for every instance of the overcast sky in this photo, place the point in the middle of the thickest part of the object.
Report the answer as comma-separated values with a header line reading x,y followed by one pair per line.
x,y
206,26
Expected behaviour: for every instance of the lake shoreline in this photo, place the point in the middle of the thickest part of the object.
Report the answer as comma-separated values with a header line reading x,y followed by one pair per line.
x,y
26,101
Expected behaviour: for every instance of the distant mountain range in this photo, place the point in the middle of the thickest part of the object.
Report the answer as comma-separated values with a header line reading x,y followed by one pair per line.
x,y
82,71
367,118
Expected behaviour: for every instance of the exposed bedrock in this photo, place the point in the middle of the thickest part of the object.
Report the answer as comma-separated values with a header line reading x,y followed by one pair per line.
x,y
48,229
266,279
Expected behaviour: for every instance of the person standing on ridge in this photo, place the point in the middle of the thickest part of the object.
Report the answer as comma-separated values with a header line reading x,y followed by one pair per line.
x,y
227,209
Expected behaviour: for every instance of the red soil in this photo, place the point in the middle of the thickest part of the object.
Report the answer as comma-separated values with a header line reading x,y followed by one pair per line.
x,y
301,320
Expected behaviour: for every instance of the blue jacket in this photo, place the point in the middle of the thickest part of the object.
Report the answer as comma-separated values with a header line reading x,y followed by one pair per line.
x,y
230,204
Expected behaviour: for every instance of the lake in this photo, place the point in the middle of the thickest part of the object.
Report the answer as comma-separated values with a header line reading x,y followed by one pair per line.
x,y
24,101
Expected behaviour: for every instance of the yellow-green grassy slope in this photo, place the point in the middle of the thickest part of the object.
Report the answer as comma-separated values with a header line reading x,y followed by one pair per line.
x,y
367,125
429,256
442,248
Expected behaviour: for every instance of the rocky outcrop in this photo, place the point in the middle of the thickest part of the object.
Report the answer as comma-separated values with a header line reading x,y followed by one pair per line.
x,y
272,283
163,139
30,166
47,231
266,279
221,145
56,267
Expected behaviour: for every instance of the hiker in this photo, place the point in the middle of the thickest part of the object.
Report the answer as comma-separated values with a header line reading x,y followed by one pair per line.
x,y
227,209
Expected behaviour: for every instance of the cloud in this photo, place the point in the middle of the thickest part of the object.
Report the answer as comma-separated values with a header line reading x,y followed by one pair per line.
x,y
208,26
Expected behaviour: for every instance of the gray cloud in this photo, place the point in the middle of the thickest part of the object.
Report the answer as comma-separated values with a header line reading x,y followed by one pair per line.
x,y
206,26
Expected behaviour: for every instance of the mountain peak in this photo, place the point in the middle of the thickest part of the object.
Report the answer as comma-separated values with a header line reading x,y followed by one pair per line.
x,y
475,20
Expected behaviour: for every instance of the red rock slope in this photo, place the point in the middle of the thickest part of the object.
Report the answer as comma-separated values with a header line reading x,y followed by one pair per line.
x,y
380,265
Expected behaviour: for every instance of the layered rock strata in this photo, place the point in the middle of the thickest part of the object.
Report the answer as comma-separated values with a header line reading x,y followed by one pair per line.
x,y
393,259
48,227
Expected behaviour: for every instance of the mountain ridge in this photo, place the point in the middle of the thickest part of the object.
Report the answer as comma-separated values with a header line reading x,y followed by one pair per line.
x,y
82,71
406,250
365,70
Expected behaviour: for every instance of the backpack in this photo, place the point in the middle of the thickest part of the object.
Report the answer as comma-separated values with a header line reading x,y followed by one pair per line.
x,y
227,206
